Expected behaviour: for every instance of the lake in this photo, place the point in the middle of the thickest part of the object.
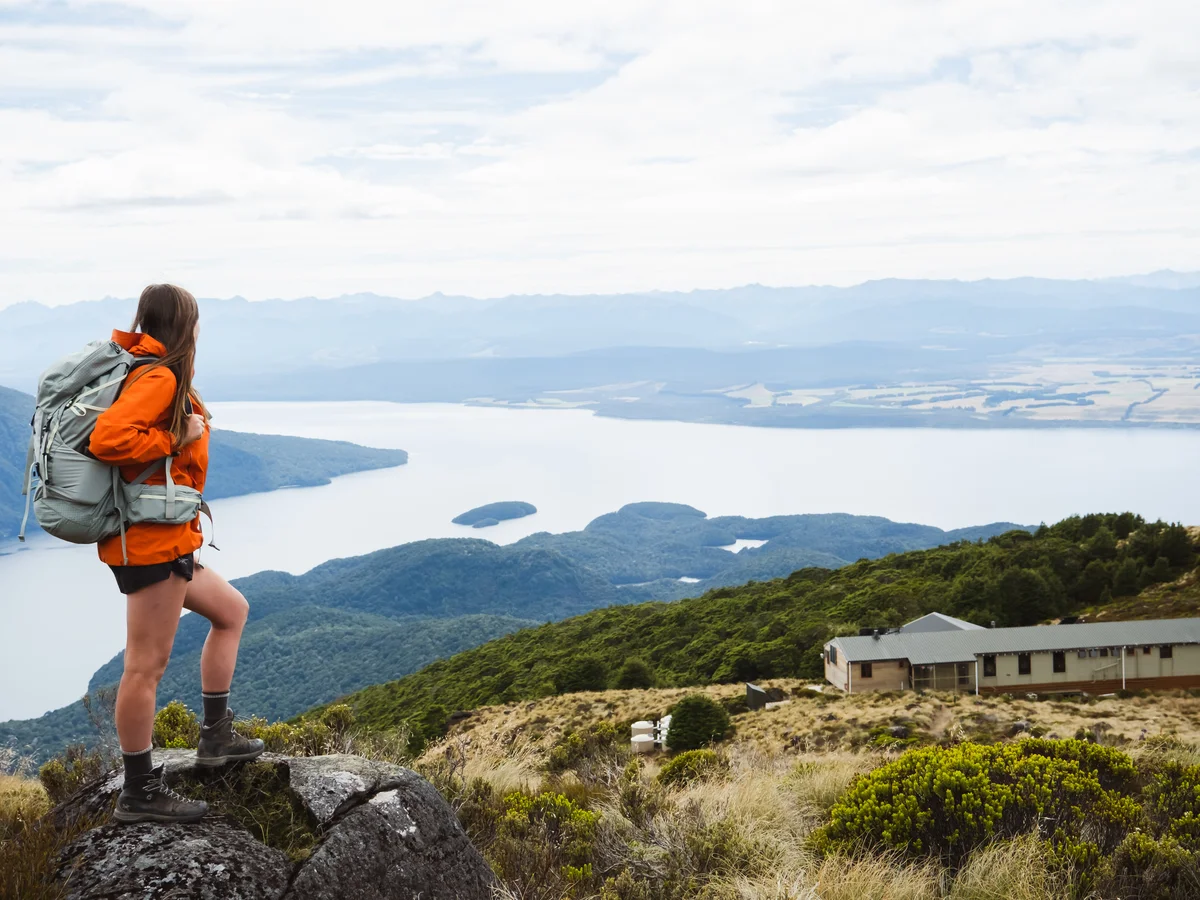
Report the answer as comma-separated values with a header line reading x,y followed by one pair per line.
x,y
61,616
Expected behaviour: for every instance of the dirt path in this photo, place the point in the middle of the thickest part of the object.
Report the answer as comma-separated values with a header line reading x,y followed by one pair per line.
x,y
940,721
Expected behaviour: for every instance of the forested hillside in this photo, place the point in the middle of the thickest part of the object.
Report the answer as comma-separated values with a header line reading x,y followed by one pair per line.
x,y
776,628
647,548
238,463
353,622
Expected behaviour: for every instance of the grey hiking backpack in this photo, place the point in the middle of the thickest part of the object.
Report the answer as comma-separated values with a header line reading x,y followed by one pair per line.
x,y
76,497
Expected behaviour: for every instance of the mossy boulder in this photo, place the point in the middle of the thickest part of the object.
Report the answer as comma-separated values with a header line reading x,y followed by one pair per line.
x,y
291,828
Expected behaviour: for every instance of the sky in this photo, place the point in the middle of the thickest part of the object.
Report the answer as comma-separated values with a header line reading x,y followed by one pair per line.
x,y
301,147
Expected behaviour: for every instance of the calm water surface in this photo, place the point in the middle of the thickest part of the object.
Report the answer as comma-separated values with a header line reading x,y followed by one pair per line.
x,y
61,616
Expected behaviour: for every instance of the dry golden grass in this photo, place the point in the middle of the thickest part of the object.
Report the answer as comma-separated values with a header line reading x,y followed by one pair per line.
x,y
787,767
21,800
834,721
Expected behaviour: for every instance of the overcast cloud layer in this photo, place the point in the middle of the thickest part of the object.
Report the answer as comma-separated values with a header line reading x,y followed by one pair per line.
x,y
305,147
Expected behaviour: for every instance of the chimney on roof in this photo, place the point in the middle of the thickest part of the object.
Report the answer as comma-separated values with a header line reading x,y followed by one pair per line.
x,y
875,634
993,623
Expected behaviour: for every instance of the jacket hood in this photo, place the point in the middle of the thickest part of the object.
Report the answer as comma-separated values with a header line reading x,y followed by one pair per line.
x,y
139,344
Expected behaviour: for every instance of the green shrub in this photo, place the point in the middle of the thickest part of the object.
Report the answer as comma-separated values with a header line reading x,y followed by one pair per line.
x,y
577,747
1149,869
692,766
640,801
1171,799
543,845
944,802
176,726
339,719
697,721
634,674
582,673
65,774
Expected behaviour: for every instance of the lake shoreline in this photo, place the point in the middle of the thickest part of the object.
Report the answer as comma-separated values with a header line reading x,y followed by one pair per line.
x,y
63,617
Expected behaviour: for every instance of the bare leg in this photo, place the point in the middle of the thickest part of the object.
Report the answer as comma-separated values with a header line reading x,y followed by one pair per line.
x,y
151,616
211,596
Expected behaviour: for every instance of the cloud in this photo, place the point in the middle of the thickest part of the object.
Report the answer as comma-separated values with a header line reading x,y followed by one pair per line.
x,y
294,148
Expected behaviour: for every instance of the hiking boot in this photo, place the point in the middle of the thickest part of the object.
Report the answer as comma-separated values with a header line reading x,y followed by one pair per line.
x,y
220,744
146,798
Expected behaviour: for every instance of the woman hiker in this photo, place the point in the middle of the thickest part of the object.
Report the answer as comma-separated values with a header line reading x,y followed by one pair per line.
x,y
158,415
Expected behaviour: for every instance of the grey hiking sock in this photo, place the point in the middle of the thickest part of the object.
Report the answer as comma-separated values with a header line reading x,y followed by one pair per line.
x,y
137,765
214,707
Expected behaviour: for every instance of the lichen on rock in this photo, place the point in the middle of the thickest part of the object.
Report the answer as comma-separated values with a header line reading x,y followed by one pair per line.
x,y
290,828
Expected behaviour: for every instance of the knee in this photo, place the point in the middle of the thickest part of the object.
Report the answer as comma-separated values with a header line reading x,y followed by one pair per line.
x,y
235,612
147,670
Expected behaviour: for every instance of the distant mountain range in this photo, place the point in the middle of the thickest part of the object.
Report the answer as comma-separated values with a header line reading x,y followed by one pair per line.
x,y
238,463
353,622
885,352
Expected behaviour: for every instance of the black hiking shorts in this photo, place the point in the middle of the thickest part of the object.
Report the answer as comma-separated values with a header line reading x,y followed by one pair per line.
x,y
131,579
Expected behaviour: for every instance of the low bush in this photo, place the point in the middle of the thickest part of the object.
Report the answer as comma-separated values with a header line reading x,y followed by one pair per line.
x,y
692,766
945,802
65,774
697,721
1171,799
176,727
543,845
1143,868
575,748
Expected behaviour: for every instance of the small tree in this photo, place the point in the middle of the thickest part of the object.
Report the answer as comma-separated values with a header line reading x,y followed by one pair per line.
x,y
634,674
1125,582
697,721
585,673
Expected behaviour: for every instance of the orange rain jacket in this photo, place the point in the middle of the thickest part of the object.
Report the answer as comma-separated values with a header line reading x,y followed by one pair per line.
x,y
133,433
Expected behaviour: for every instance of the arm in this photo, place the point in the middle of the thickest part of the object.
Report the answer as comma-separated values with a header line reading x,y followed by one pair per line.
x,y
125,433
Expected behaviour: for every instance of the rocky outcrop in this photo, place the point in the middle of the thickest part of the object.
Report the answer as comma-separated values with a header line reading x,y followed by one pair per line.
x,y
213,860
380,831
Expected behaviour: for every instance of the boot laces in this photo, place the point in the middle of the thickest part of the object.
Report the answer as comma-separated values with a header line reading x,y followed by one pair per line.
x,y
159,786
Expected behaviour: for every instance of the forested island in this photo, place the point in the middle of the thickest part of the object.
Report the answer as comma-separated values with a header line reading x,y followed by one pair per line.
x,y
494,513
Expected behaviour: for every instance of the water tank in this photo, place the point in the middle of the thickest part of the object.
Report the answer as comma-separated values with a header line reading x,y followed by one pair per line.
x,y
643,727
642,743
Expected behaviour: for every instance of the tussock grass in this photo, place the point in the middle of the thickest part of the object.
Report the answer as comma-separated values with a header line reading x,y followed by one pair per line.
x,y
1010,870
743,832
29,844
22,800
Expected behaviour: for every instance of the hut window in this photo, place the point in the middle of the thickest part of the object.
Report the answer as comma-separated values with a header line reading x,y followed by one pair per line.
x,y
1104,651
1130,651
1145,651
1023,665
1060,661
833,655
1165,651
865,670
989,666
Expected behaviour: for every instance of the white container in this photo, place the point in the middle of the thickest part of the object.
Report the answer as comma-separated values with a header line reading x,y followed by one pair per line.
x,y
642,743
643,727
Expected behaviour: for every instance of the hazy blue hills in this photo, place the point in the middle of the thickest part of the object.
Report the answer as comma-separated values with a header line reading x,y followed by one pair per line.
x,y
494,513
238,463
363,328
889,352
349,623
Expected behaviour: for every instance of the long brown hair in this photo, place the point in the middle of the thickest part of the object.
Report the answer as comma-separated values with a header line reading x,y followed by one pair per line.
x,y
169,314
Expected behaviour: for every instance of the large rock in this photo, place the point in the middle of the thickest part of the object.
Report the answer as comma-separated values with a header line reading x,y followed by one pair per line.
x,y
214,860
382,832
